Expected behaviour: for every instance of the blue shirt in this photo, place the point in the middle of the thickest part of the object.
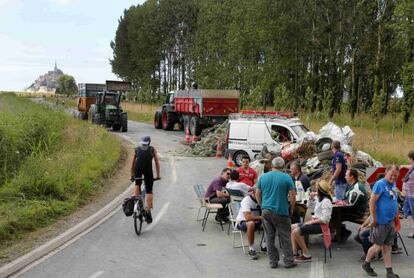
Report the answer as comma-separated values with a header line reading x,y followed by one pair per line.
x,y
387,205
339,158
275,187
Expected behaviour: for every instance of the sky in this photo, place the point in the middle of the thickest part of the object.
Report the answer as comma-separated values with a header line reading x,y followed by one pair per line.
x,y
74,33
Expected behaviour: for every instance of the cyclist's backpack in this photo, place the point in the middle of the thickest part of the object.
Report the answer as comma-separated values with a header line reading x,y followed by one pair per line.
x,y
128,206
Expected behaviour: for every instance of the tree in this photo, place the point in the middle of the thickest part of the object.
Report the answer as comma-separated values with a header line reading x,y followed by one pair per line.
x,y
66,85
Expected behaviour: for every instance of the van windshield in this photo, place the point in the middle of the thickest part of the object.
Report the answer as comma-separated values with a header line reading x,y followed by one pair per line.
x,y
300,130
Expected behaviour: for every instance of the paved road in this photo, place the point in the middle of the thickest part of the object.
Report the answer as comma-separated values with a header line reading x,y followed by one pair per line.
x,y
174,246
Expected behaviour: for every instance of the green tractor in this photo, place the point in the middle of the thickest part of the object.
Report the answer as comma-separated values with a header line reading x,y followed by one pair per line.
x,y
107,111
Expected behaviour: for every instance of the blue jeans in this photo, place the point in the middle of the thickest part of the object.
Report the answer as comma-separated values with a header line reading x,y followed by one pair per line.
x,y
408,208
340,189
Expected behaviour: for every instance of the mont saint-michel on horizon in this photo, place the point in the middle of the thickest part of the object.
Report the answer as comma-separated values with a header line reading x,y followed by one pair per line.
x,y
46,83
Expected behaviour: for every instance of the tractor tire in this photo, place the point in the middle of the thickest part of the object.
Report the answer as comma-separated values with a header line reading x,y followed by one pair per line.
x,y
116,127
124,123
195,127
158,120
237,157
168,120
186,120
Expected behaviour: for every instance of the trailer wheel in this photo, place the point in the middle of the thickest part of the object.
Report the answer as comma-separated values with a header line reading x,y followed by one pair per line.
x,y
186,120
158,120
195,126
238,157
168,120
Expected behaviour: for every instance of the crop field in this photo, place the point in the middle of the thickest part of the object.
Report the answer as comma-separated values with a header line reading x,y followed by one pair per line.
x,y
50,164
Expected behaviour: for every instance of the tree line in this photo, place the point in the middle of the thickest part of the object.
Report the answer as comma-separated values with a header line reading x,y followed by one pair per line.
x,y
309,55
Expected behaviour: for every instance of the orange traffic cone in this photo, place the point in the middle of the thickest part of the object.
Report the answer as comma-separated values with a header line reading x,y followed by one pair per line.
x,y
187,137
230,162
219,150
195,139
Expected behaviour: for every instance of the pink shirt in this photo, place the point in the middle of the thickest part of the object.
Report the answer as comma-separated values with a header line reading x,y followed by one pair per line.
x,y
248,176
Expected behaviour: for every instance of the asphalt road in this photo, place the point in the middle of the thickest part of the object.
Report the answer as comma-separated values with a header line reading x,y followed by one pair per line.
x,y
174,245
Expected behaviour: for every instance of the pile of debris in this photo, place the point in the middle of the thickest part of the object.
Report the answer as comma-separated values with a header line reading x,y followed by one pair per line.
x,y
209,138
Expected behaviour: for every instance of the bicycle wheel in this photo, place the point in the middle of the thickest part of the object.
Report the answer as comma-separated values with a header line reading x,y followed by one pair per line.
x,y
137,222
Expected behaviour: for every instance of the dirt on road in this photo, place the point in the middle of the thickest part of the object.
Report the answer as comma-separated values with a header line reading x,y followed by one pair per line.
x,y
116,185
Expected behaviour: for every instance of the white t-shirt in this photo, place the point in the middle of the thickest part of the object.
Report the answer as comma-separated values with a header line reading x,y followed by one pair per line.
x,y
248,205
244,188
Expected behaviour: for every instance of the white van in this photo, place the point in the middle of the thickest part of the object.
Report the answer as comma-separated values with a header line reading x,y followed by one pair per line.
x,y
248,133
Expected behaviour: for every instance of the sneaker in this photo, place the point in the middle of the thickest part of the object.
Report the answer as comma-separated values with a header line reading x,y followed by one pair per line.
x,y
303,259
396,250
252,254
369,270
392,275
148,217
291,265
263,249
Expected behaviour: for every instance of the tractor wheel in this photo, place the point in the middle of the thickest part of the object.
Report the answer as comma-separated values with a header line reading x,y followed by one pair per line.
x,y
195,126
124,123
186,120
116,127
158,120
168,120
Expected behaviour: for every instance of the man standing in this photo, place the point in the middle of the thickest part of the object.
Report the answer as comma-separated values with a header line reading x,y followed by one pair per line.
x,y
215,194
408,192
339,170
247,174
383,207
273,190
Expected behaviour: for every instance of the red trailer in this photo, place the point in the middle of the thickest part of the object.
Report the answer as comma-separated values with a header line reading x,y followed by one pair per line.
x,y
195,110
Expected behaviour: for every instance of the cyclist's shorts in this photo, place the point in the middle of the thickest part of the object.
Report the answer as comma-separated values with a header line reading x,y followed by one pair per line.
x,y
149,181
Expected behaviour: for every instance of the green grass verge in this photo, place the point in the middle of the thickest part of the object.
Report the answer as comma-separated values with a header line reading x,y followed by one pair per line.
x,y
145,117
57,165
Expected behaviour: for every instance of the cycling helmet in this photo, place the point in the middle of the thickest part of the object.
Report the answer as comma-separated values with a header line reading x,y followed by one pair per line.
x,y
145,141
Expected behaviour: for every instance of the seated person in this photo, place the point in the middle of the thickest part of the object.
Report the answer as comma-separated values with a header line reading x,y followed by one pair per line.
x,y
298,176
236,185
322,215
215,194
249,220
357,197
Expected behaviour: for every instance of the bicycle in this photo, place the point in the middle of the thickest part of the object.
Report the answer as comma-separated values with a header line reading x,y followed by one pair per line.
x,y
139,213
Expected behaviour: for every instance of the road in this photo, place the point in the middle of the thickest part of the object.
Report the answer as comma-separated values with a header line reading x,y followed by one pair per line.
x,y
174,245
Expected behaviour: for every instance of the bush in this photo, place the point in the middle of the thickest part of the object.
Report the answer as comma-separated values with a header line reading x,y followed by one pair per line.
x,y
50,164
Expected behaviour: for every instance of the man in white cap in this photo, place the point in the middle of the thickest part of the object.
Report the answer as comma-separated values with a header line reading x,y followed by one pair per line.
x,y
142,166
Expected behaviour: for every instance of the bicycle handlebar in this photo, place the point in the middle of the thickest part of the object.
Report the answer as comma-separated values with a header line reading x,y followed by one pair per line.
x,y
141,179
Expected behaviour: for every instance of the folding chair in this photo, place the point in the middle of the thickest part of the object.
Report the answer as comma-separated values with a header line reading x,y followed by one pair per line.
x,y
209,208
234,208
327,242
235,192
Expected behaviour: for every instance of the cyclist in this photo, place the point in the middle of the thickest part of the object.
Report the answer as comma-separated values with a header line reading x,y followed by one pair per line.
x,y
142,166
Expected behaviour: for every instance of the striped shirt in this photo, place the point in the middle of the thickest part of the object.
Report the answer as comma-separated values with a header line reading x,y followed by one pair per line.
x,y
408,185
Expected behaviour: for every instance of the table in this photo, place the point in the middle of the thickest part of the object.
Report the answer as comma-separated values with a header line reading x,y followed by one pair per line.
x,y
335,223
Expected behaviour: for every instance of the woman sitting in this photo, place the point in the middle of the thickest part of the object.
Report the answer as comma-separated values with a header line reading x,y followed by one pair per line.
x,y
322,206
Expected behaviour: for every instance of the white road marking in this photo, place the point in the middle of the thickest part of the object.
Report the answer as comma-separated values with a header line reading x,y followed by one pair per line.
x,y
316,269
173,170
97,274
177,137
158,217
129,139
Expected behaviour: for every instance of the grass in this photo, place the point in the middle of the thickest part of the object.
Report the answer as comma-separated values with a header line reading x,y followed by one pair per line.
x,y
141,112
63,165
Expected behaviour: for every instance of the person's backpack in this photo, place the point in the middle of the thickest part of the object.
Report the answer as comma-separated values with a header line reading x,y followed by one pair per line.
x,y
128,206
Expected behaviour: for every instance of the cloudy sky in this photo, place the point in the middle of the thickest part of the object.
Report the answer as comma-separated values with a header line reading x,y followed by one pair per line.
x,y
75,33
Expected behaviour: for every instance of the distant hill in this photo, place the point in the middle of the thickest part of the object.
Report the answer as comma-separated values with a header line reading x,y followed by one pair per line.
x,y
46,83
